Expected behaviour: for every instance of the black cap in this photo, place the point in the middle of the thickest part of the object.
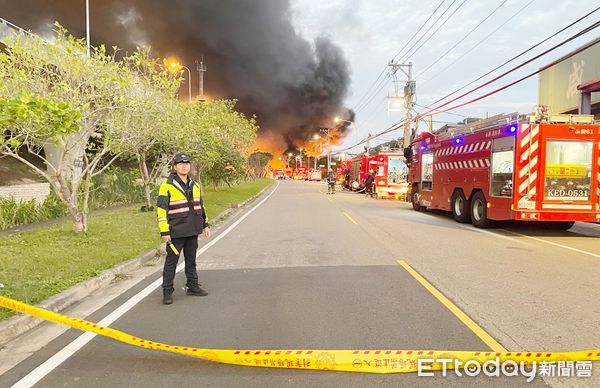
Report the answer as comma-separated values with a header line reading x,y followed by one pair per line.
x,y
181,157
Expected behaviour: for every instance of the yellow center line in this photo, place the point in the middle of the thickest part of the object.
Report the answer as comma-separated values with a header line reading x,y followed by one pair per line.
x,y
350,218
464,318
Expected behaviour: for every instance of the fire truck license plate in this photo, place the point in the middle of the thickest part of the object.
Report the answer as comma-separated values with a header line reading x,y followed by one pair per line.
x,y
562,194
525,204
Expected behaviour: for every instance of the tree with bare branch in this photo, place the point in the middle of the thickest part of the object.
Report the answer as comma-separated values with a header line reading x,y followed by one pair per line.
x,y
96,87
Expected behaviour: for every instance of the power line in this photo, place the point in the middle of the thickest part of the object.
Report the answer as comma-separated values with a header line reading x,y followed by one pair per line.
x,y
381,86
382,83
15,27
428,29
511,18
449,113
399,124
582,32
420,28
435,32
403,47
361,100
462,39
515,57
374,111
597,24
393,127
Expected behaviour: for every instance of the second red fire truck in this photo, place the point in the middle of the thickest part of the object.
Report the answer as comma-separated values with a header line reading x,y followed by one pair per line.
x,y
389,170
510,167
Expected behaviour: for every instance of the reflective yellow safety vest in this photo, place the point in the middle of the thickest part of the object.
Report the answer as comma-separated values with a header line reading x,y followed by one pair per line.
x,y
180,208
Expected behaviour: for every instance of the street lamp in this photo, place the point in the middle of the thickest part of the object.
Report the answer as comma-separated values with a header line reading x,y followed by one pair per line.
x,y
175,66
316,137
87,27
326,130
339,120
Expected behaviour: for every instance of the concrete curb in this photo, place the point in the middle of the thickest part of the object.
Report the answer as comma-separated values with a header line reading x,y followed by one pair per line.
x,y
15,326
18,325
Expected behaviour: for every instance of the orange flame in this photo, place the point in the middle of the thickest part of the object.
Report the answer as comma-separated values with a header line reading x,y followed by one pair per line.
x,y
274,144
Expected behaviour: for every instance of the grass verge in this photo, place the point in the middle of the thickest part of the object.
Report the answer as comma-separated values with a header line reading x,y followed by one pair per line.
x,y
39,263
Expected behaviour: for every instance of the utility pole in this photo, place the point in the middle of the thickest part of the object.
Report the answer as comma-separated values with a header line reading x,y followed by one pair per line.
x,y
326,130
201,70
410,89
87,27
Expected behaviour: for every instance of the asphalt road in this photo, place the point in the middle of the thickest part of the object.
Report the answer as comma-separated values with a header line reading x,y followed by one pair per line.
x,y
311,271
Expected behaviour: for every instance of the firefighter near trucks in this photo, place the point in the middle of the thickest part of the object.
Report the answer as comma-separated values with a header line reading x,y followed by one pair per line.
x,y
389,170
536,168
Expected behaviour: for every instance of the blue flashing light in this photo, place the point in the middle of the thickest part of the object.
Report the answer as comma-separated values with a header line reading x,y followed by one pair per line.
x,y
458,140
423,148
512,128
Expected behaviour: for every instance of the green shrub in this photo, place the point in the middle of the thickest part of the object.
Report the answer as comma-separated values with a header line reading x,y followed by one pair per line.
x,y
114,187
15,213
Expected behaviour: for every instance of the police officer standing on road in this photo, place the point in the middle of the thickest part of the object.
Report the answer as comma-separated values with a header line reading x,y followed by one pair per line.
x,y
181,218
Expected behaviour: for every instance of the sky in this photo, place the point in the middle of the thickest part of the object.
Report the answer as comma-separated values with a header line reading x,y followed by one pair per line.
x,y
372,32
255,55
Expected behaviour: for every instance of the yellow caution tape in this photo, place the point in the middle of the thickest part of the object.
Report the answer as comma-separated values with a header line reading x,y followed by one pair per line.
x,y
370,361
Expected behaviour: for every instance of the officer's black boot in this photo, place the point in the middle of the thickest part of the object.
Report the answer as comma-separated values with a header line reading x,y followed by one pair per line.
x,y
194,289
168,295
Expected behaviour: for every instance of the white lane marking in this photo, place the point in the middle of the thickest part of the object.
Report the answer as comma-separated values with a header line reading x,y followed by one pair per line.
x,y
49,365
494,234
557,244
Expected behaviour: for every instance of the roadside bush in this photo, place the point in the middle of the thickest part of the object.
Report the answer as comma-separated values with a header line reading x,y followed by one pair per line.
x,y
15,213
114,187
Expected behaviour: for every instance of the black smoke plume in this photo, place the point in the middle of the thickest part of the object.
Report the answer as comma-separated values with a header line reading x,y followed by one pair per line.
x,y
251,49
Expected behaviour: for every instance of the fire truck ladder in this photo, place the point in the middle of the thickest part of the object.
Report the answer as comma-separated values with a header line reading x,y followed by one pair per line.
x,y
496,121
479,125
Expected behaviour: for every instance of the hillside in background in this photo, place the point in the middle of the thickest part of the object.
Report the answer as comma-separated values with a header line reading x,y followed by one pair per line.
x,y
13,172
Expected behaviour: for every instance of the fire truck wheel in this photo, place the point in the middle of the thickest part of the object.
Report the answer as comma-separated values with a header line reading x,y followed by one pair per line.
x,y
414,198
460,207
479,211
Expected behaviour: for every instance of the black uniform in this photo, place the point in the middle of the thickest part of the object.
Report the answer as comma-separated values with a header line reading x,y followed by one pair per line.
x,y
181,215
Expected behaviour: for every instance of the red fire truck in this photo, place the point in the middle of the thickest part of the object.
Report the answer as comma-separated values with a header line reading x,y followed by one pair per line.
x,y
358,171
390,172
510,167
300,173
